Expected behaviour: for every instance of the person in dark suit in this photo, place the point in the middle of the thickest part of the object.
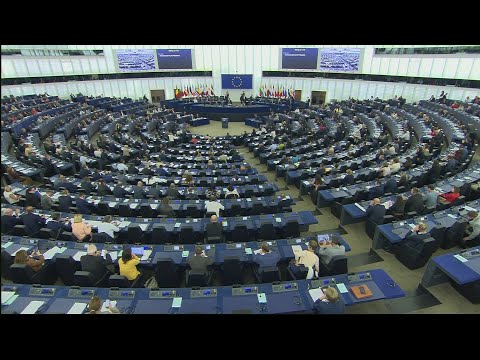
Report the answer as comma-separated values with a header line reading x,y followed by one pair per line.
x,y
64,201
404,180
413,239
329,303
46,201
138,192
56,225
83,206
48,166
166,209
348,179
154,191
95,264
391,186
87,186
172,192
32,198
132,169
33,222
376,191
435,171
415,202
199,262
84,172
119,191
376,211
398,208
214,228
451,163
266,258
103,189
190,195
10,219
147,171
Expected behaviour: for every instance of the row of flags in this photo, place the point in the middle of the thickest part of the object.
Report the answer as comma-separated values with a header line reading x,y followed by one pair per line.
x,y
280,91
194,90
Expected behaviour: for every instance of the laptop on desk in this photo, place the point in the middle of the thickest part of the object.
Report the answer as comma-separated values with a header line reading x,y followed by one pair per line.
x,y
138,250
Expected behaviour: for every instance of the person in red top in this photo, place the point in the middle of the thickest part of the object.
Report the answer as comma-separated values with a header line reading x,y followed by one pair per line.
x,y
194,140
34,111
452,195
455,105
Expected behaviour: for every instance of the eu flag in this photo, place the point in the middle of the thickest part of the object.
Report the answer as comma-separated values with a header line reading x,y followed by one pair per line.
x,y
236,81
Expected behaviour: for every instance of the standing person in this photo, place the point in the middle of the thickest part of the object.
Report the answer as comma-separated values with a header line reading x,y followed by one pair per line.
x,y
307,258
376,211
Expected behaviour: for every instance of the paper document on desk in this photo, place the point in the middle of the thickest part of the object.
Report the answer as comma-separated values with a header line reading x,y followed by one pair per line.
x,y
50,253
146,255
468,208
315,293
143,226
7,244
177,302
105,307
78,255
124,224
460,258
296,248
342,288
360,207
112,204
6,295
262,298
256,252
32,307
77,308
22,248
248,251
113,255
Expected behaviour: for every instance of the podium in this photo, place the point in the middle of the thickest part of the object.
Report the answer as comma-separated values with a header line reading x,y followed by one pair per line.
x,y
224,123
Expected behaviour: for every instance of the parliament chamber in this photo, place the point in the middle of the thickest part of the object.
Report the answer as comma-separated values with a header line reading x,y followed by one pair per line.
x,y
255,202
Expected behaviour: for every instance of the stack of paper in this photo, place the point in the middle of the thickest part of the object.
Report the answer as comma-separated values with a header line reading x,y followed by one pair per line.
x,y
78,255
50,253
258,251
296,248
32,307
146,255
316,293
77,308
6,295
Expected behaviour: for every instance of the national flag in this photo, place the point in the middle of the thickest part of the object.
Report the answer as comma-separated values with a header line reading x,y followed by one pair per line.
x,y
178,93
211,90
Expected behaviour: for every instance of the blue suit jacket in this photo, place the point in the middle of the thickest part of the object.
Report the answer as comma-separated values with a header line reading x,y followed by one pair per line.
x,y
83,206
323,307
33,223
56,225
267,260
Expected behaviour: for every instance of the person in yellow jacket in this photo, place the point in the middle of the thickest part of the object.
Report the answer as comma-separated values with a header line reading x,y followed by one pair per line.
x,y
128,265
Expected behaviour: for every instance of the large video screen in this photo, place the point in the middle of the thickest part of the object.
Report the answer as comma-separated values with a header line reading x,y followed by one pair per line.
x,y
299,58
136,60
339,59
174,58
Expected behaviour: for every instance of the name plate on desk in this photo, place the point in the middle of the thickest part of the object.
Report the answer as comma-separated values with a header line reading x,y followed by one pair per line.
x,y
270,242
112,247
173,248
34,291
158,294
244,290
322,282
121,294
285,287
28,241
236,246
294,241
81,293
471,253
359,277
198,293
